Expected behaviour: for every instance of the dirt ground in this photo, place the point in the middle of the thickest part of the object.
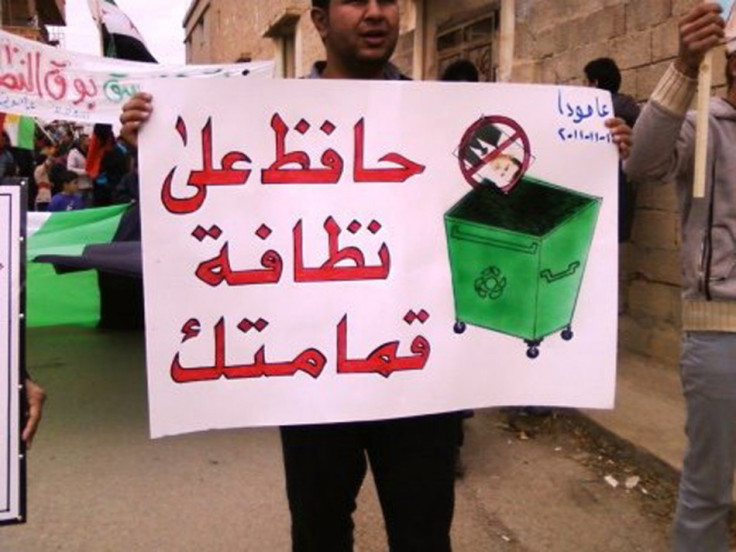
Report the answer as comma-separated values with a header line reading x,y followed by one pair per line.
x,y
651,484
582,489
98,483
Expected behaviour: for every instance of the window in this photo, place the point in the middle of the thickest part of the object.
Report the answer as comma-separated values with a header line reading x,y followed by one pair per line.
x,y
472,39
283,32
287,52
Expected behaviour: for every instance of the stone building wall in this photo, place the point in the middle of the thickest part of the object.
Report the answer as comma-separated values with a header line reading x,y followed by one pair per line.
x,y
29,19
552,42
221,31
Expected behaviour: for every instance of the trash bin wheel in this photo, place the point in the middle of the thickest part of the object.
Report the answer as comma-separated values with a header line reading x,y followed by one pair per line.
x,y
567,334
459,327
532,345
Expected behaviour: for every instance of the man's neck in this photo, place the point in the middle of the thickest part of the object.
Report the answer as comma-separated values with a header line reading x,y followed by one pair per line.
x,y
337,70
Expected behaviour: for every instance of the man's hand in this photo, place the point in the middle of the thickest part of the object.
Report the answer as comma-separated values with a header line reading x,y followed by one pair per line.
x,y
621,133
136,112
701,29
35,396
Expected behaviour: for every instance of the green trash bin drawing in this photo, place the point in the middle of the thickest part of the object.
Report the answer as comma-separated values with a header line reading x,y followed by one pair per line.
x,y
517,260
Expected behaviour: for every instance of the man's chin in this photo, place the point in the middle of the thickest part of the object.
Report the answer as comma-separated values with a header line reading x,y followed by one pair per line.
x,y
375,57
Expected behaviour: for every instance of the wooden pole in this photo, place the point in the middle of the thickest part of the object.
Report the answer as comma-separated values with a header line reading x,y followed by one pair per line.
x,y
45,132
705,80
96,12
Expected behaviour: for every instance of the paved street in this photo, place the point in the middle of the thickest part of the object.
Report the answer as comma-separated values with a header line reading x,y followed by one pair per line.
x,y
98,483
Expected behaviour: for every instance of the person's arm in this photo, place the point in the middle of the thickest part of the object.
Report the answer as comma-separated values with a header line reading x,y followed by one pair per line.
x,y
76,162
35,399
663,140
38,174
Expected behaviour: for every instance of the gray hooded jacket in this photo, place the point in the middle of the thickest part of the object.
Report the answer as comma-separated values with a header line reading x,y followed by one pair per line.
x,y
663,151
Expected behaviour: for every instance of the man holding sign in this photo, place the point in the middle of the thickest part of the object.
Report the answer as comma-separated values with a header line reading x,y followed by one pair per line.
x,y
664,151
412,459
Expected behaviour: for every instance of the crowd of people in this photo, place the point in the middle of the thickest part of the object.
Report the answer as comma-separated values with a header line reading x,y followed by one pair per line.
x,y
67,170
70,169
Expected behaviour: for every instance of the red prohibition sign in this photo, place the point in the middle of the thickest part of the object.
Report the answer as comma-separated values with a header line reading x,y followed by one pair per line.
x,y
517,134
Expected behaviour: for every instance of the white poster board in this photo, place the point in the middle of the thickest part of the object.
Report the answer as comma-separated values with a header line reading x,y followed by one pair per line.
x,y
12,484
322,252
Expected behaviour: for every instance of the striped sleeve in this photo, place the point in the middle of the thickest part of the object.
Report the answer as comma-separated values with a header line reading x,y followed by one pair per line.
x,y
675,91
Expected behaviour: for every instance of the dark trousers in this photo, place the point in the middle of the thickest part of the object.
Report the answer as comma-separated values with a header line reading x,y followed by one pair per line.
x,y
101,196
412,460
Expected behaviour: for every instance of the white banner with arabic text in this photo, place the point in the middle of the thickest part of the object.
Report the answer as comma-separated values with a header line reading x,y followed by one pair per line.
x,y
50,83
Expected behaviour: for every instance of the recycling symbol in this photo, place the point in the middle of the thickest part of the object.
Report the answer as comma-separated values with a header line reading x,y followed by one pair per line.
x,y
491,283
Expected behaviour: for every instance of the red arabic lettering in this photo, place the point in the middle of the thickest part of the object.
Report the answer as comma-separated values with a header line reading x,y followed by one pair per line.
x,y
310,361
228,175
9,54
217,270
279,173
19,82
37,73
329,270
54,82
26,74
383,359
407,168
190,329
84,90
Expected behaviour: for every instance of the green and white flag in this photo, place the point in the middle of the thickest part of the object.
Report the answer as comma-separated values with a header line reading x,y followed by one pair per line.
x,y
120,37
20,129
71,298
